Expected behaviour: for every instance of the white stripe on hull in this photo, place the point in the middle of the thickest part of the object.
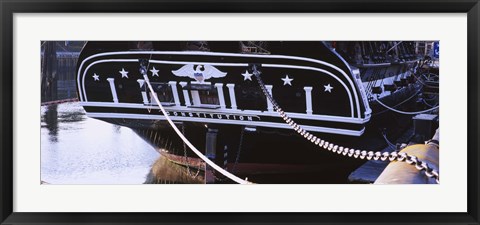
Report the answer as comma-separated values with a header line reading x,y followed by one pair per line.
x,y
230,111
233,122
217,54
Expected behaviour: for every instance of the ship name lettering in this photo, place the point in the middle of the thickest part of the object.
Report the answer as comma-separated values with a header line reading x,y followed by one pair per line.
x,y
218,116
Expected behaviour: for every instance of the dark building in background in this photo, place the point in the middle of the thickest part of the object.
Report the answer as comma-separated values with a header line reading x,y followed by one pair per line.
x,y
59,59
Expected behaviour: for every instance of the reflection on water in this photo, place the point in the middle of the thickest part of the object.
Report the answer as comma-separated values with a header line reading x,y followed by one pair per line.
x,y
76,149
164,171
51,119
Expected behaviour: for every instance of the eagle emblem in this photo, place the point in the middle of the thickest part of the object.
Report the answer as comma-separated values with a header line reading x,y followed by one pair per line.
x,y
199,72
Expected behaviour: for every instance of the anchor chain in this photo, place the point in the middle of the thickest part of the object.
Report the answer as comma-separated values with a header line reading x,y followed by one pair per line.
x,y
189,173
240,146
341,150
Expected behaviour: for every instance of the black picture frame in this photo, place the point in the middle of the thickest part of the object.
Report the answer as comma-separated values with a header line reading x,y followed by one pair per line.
x,y
10,7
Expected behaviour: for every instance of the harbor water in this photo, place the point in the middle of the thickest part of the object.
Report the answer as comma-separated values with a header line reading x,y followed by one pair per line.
x,y
76,149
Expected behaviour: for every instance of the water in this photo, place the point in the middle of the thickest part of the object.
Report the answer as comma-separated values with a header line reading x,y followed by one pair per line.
x,y
76,149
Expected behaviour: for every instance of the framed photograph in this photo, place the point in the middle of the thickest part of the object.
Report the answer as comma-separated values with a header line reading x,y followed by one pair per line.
x,y
267,112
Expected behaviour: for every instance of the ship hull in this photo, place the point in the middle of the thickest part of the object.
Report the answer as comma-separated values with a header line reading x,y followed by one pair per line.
x,y
215,95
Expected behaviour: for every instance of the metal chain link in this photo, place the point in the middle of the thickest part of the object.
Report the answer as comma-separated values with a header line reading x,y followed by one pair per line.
x,y
189,173
240,146
350,152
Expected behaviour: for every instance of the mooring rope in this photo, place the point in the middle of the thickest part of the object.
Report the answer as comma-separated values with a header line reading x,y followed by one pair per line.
x,y
403,112
362,154
406,100
186,141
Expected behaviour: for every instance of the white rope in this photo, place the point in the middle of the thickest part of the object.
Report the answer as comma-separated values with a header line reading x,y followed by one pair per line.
x,y
426,103
406,100
396,44
195,150
403,112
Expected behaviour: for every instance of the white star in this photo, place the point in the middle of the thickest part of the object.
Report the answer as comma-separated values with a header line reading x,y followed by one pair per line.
x,y
247,76
124,73
287,80
95,77
154,72
328,88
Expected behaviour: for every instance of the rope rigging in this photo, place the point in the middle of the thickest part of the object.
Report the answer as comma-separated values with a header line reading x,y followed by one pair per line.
x,y
390,144
403,112
351,152
406,100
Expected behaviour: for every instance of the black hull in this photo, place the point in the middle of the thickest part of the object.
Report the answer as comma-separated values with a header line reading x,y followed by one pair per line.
x,y
216,91
219,87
